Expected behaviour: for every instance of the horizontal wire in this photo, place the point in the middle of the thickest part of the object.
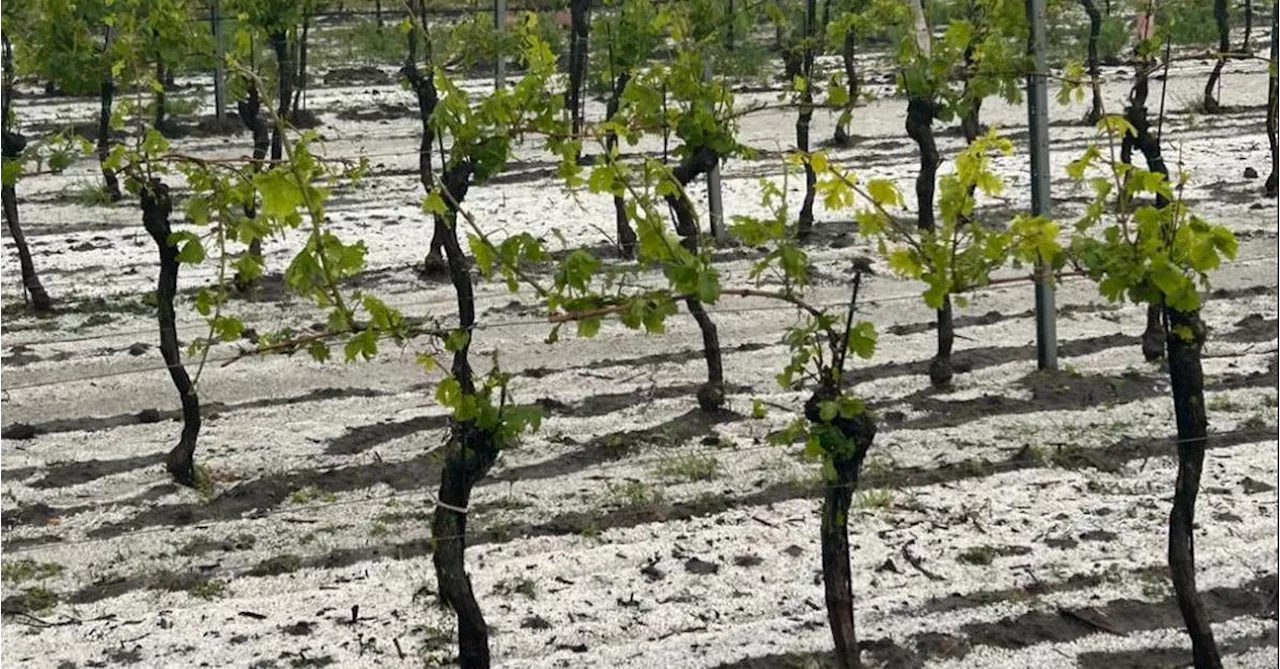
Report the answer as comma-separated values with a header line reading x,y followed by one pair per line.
x,y
542,321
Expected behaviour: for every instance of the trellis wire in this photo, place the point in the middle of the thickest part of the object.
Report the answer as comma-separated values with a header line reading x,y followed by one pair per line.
x,y
540,321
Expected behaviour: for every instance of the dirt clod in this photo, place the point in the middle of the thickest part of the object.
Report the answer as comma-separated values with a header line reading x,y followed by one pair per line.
x,y
300,628
700,567
535,622
1098,535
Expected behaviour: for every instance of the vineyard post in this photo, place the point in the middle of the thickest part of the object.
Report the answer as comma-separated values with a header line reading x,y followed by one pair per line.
x,y
219,69
1041,202
500,24
715,205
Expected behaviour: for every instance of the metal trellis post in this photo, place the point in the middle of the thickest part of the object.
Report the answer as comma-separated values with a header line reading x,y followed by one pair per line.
x,y
1038,113
219,68
500,64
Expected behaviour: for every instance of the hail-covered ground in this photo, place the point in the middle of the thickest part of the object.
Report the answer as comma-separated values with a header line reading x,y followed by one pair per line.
x,y
1017,519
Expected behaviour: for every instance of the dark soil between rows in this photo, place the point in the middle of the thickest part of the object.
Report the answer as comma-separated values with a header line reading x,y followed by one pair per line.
x,y
234,504
1122,616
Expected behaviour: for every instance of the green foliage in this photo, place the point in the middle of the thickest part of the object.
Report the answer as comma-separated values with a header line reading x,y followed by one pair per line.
x,y
690,468
1133,247
18,571
1113,37
1189,22
981,53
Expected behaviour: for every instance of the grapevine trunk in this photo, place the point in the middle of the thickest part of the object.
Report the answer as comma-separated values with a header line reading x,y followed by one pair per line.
x,y
469,453
1095,31
837,578
711,394
249,110
1211,104
424,87
157,205
1153,338
805,222
104,137
577,61
284,67
1186,339
12,148
160,95
1272,188
920,112
626,235
848,52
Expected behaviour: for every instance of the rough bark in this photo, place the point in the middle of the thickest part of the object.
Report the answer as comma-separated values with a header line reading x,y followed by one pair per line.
x,y
40,301
469,454
626,235
848,54
1095,30
836,574
1186,339
1153,338
711,395
1273,106
424,87
302,63
13,145
157,205
1211,104
161,96
577,61
970,122
1245,46
919,125
249,110
284,66
805,223
104,136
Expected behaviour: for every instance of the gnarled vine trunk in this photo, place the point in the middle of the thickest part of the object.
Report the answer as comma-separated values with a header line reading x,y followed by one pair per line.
x,y
157,205
107,98
804,225
284,67
1153,338
1095,31
578,32
468,455
1186,338
920,113
13,145
161,96
848,54
1273,106
250,112
1245,47
1211,103
626,235
836,574
424,88
302,63
711,394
